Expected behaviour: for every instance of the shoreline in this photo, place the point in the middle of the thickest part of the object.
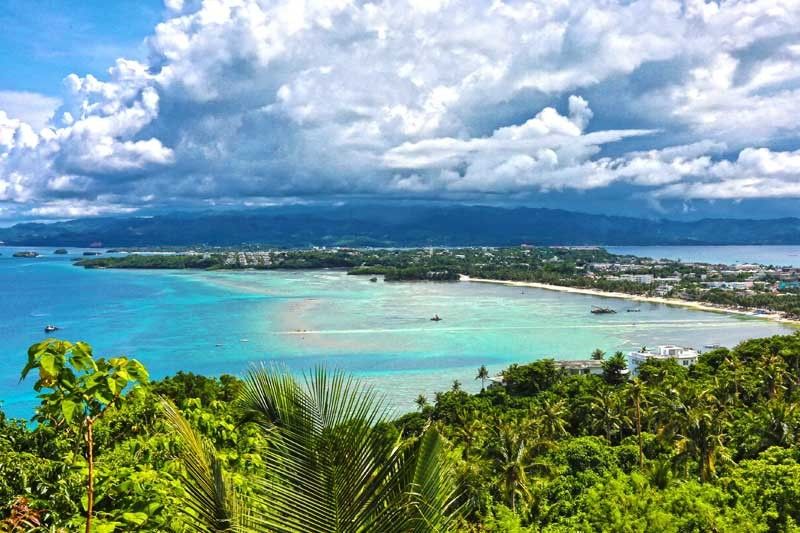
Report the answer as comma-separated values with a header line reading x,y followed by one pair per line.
x,y
697,306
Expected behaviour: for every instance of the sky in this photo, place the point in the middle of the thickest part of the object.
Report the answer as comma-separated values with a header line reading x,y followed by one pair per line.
x,y
649,108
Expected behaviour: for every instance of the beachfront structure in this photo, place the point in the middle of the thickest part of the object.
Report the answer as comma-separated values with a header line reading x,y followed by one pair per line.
x,y
684,356
645,279
581,367
663,290
729,285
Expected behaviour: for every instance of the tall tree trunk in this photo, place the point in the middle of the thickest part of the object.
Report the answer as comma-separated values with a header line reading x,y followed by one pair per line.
x,y
639,433
90,486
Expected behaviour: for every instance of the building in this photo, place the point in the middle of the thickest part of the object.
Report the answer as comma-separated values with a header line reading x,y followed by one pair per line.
x,y
663,290
638,278
581,367
729,285
684,356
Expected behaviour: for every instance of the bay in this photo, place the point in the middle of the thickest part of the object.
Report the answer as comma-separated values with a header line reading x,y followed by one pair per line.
x,y
222,322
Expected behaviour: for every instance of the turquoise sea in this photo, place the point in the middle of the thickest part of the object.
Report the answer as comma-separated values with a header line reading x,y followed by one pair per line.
x,y
221,322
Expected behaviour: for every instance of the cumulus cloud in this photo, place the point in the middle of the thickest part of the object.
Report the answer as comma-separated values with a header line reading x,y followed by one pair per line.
x,y
756,173
32,108
247,100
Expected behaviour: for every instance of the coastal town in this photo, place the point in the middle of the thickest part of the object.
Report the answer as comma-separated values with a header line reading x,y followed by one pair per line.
x,y
772,291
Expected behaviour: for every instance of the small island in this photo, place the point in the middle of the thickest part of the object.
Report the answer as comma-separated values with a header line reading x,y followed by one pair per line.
x,y
26,254
61,251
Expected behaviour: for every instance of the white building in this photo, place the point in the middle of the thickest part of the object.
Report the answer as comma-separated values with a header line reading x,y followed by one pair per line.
x,y
684,356
638,278
581,367
729,285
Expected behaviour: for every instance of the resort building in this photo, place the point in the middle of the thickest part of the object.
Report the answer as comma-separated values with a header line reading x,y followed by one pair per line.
x,y
638,278
684,356
581,367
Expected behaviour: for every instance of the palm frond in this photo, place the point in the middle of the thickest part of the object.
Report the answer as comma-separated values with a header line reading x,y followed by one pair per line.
x,y
332,468
211,502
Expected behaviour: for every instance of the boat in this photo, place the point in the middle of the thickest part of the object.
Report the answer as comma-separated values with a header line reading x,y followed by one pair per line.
x,y
244,340
436,318
50,328
712,346
633,310
597,310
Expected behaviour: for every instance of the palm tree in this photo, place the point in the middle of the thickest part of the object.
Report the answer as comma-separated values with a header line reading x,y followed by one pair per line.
x,y
696,424
598,354
211,503
635,391
468,428
511,461
456,386
421,402
551,419
607,413
614,369
779,423
329,466
483,375
773,371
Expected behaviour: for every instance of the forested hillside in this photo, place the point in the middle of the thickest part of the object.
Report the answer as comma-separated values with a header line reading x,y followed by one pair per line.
x,y
392,225
713,447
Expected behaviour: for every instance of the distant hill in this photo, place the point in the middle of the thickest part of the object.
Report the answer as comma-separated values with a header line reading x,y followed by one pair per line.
x,y
398,226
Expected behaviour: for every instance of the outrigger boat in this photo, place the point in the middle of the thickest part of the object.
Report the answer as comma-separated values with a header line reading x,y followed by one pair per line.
x,y
597,310
436,318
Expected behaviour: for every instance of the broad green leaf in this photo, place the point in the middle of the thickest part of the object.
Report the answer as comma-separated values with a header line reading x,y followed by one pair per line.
x,y
103,396
112,385
48,364
137,371
68,409
105,527
82,357
135,518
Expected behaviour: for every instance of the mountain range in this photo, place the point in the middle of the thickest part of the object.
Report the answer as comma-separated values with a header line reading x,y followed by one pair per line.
x,y
398,225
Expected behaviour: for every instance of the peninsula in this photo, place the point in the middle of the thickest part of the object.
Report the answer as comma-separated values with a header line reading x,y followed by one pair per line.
x,y
768,291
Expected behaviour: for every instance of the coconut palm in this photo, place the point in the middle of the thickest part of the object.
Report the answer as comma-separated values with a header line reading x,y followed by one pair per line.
x,y
696,424
329,466
772,371
778,422
483,375
468,429
510,455
551,418
607,413
421,402
598,354
635,391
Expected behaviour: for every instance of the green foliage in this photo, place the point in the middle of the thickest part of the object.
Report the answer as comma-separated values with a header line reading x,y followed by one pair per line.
x,y
79,387
614,369
715,447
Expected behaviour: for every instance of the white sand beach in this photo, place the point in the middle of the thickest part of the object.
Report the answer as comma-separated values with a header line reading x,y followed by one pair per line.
x,y
699,306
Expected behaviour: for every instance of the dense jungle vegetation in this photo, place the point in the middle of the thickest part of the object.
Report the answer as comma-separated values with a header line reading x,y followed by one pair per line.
x,y
713,447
